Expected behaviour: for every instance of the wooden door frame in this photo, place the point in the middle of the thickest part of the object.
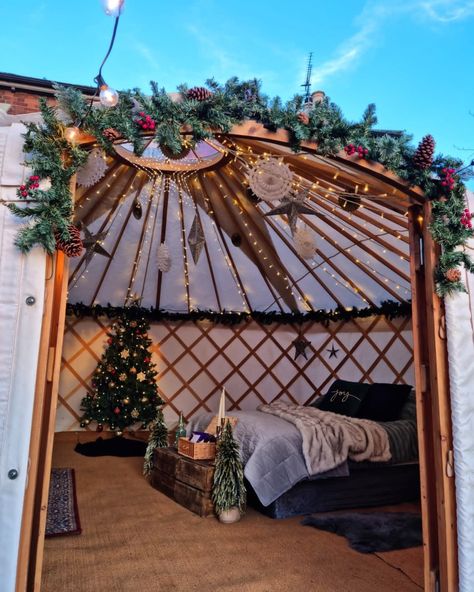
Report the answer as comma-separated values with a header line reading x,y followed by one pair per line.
x,y
433,410
438,502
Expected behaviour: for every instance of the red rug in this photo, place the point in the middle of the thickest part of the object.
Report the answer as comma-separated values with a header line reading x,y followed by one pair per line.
x,y
63,515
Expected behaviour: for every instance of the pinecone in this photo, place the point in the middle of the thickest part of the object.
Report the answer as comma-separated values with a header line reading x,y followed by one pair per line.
x,y
73,247
453,275
423,157
303,118
199,93
111,134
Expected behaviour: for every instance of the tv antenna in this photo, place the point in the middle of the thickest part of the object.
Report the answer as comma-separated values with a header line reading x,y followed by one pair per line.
x,y
307,84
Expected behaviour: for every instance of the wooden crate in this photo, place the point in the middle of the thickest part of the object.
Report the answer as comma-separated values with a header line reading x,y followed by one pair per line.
x,y
197,450
187,481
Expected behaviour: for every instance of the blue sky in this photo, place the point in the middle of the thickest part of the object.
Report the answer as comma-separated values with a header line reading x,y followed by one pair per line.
x,y
413,58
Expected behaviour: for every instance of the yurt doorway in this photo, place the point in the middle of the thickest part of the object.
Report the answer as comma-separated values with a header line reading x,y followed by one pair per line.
x,y
233,227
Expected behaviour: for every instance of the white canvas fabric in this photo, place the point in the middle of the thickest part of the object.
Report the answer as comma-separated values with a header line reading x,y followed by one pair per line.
x,y
21,277
460,334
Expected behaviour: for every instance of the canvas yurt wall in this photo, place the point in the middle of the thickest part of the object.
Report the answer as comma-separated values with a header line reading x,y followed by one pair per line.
x,y
256,363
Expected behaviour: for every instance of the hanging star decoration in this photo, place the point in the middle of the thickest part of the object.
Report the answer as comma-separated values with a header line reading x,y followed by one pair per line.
x,y
332,352
301,343
196,239
92,244
141,376
124,354
293,206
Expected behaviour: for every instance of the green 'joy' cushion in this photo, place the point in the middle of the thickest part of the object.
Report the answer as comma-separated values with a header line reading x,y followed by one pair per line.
x,y
344,397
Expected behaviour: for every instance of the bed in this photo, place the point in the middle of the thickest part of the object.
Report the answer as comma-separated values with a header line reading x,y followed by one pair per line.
x,y
281,483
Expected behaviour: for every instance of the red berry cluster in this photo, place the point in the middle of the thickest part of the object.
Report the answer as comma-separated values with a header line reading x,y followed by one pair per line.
x,y
466,218
145,121
448,180
27,190
350,149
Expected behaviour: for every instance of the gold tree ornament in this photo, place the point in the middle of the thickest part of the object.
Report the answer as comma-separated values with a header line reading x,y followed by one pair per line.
x,y
141,376
123,377
124,354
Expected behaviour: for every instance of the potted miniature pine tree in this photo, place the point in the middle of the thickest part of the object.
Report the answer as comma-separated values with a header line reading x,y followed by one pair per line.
x,y
228,490
158,439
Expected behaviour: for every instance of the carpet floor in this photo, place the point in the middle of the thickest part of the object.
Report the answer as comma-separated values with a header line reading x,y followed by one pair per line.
x,y
135,538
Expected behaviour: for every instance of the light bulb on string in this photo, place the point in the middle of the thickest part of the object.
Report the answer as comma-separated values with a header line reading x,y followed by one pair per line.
x,y
113,7
72,133
108,96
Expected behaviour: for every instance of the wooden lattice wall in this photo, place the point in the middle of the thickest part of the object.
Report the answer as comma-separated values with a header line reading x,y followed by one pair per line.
x,y
255,363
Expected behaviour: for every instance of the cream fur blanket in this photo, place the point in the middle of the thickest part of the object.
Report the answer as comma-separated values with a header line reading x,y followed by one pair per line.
x,y
330,439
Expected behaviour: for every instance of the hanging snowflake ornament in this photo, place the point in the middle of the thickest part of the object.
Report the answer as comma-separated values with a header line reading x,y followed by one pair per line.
x,y
163,258
94,169
270,179
304,243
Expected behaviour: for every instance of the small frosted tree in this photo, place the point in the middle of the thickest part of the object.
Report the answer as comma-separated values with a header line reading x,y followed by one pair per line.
x,y
228,488
158,439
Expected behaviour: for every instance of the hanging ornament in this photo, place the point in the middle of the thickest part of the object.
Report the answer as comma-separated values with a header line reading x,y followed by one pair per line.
x,y
93,170
141,376
73,247
117,410
292,206
137,210
350,202
304,243
301,344
168,153
303,118
126,401
133,370
453,275
199,93
196,239
124,354
332,352
135,413
163,259
270,179
423,157
236,239
92,243
122,377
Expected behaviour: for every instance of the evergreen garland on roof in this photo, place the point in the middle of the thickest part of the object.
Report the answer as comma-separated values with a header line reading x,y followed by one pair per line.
x,y
203,112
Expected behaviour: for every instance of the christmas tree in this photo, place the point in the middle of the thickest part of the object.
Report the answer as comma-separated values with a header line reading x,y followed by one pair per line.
x,y
228,488
158,439
124,389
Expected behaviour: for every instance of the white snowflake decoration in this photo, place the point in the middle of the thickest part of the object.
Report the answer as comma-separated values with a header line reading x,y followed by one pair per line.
x,y
304,243
163,258
270,179
93,170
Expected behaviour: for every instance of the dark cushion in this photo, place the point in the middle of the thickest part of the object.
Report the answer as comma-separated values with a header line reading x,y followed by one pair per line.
x,y
344,397
384,402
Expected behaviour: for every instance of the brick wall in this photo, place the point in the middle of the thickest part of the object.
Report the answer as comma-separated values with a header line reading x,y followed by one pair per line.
x,y
21,101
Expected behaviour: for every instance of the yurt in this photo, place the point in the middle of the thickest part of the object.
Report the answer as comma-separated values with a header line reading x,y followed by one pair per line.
x,y
236,345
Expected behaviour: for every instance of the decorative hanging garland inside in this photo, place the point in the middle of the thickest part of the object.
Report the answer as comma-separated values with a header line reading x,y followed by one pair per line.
x,y
205,111
388,308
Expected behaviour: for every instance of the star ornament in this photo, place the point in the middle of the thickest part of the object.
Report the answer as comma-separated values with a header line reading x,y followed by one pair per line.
x,y
301,344
332,352
124,354
292,207
141,376
93,244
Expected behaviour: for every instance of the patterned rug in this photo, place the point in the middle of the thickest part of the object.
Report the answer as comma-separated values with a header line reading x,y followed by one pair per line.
x,y
62,517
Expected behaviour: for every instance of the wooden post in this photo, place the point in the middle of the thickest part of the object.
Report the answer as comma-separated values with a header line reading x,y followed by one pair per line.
x,y
433,410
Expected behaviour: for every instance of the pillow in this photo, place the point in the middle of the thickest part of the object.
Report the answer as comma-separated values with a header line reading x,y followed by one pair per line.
x,y
344,397
384,402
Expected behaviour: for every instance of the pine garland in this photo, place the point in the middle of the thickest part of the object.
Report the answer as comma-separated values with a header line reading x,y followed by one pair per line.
x,y
388,308
228,489
204,114
158,439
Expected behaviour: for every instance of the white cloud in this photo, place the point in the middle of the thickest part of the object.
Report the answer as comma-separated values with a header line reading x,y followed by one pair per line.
x,y
371,19
447,11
